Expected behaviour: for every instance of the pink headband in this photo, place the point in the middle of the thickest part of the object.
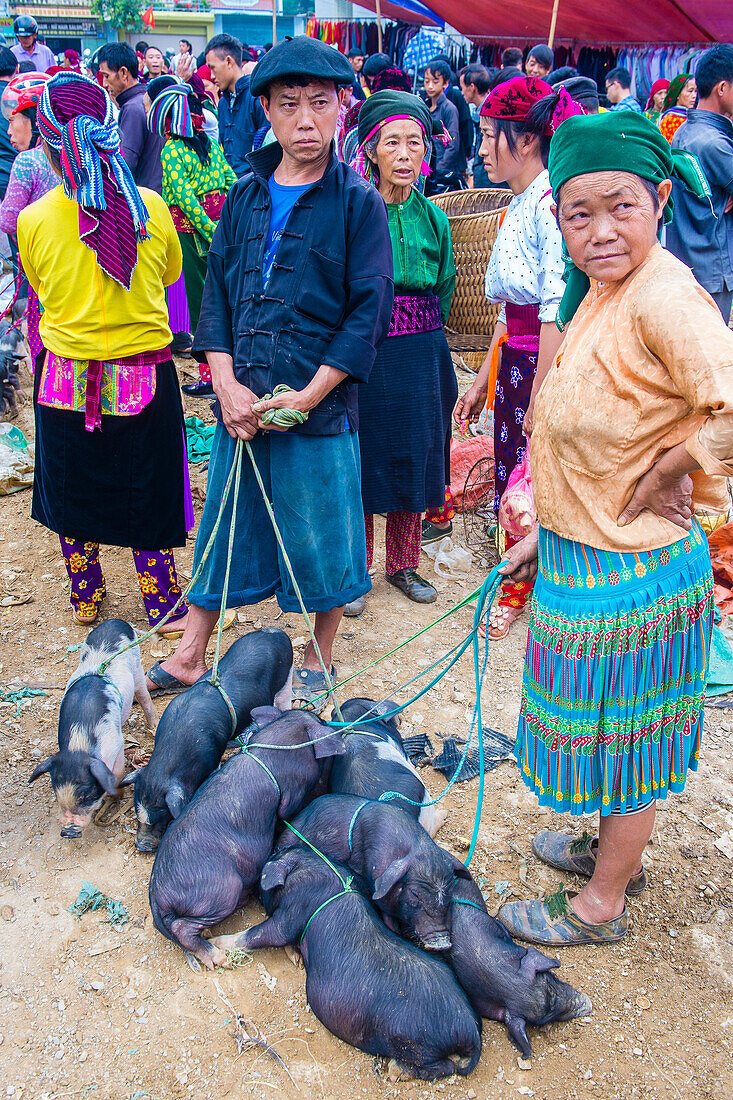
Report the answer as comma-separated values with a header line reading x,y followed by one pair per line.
x,y
363,165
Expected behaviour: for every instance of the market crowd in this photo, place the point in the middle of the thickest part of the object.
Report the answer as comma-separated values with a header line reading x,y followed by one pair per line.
x,y
274,220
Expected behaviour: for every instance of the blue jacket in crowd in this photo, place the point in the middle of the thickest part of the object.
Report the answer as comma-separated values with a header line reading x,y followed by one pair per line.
x,y
240,117
329,297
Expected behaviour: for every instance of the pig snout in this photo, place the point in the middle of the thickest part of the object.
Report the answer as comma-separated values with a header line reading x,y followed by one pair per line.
x,y
573,1004
72,824
71,832
435,941
146,840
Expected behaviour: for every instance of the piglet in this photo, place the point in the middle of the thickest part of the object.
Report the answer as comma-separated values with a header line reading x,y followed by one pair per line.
x,y
375,762
410,878
209,860
91,758
503,980
364,983
193,732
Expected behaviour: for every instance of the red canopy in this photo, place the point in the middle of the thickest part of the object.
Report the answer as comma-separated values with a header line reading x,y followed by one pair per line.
x,y
593,21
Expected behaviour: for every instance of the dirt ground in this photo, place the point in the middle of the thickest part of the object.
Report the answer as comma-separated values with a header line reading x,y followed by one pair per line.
x,y
90,1012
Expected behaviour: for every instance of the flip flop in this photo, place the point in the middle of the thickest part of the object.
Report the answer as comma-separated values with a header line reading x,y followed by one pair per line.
x,y
166,684
230,617
308,684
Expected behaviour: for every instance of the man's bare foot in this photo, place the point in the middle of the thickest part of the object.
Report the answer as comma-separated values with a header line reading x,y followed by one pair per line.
x,y
175,666
173,628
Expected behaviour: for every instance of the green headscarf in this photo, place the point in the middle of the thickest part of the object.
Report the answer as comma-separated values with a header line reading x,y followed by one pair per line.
x,y
390,103
617,141
673,91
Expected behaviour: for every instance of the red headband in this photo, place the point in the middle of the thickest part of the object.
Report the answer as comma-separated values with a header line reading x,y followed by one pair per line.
x,y
514,99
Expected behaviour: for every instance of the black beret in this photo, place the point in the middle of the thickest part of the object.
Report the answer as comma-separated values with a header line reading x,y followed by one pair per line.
x,y
300,56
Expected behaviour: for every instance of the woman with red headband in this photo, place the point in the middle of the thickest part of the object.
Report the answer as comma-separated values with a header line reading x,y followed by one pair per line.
x,y
525,273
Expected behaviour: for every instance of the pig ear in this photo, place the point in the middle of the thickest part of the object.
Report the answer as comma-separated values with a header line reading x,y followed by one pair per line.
x,y
534,963
175,799
517,1028
41,769
130,779
263,716
275,872
103,775
389,878
327,745
459,869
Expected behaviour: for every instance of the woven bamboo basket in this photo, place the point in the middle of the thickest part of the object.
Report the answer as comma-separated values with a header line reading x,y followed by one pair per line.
x,y
474,218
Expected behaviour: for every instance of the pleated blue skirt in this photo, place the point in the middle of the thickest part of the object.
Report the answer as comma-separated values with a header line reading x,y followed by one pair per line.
x,y
615,673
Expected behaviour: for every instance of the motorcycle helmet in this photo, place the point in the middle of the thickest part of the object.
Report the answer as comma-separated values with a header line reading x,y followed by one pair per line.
x,y
22,92
24,24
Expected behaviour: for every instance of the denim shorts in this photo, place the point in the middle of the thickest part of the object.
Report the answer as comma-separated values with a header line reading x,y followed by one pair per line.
x,y
314,485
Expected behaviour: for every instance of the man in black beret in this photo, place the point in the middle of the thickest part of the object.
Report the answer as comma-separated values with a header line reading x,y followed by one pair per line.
x,y
298,292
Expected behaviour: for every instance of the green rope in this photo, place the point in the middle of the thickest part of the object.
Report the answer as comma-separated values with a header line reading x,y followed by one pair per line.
x,y
282,418
348,889
237,465
346,883
326,672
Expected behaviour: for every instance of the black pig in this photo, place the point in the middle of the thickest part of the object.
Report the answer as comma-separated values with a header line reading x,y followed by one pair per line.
x,y
375,762
256,671
410,878
364,983
209,860
503,980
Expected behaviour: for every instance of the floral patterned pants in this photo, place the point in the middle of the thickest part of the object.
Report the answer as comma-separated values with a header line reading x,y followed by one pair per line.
x,y
156,575
403,537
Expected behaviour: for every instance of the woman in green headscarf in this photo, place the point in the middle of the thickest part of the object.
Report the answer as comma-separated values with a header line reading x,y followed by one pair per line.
x,y
633,432
681,96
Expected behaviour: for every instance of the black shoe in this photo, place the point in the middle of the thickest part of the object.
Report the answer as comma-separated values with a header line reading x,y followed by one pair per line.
x,y
198,389
413,585
431,533
181,343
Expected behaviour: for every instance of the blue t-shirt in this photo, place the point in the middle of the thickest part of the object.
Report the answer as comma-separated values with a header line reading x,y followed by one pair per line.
x,y
283,200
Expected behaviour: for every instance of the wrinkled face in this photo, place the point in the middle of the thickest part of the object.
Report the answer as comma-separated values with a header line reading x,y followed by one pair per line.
x,y
114,82
501,164
20,132
609,222
400,152
658,101
303,119
434,84
688,95
154,61
535,68
357,63
27,41
421,908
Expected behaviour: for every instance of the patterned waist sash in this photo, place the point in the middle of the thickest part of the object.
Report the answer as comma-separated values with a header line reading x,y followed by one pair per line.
x,y
211,203
413,313
116,387
523,327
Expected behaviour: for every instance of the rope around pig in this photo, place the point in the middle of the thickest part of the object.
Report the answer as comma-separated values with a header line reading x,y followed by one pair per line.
x,y
484,594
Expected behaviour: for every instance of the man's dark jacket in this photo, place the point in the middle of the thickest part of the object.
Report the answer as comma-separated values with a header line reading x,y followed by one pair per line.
x,y
240,117
141,149
328,300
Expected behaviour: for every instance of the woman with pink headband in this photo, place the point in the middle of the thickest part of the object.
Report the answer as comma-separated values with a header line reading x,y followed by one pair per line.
x,y
525,274
405,408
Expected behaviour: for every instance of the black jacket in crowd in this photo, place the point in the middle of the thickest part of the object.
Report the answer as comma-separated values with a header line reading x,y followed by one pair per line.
x,y
329,298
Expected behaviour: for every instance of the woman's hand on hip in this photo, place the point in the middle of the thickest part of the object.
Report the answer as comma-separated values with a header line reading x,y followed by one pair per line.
x,y
520,561
469,407
665,490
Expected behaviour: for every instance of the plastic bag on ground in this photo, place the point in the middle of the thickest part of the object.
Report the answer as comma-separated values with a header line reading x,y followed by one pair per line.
x,y
449,561
16,462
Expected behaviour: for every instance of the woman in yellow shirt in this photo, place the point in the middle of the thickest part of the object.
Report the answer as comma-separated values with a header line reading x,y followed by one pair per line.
x,y
633,428
109,424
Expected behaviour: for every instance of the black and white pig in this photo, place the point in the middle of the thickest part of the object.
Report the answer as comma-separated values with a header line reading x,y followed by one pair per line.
x,y
375,762
503,980
409,877
364,983
91,756
194,729
210,859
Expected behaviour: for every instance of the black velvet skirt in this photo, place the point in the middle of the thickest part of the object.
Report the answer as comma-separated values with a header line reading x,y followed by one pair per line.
x,y
121,485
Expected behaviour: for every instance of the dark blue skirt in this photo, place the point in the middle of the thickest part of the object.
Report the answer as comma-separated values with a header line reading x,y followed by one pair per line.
x,y
405,412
